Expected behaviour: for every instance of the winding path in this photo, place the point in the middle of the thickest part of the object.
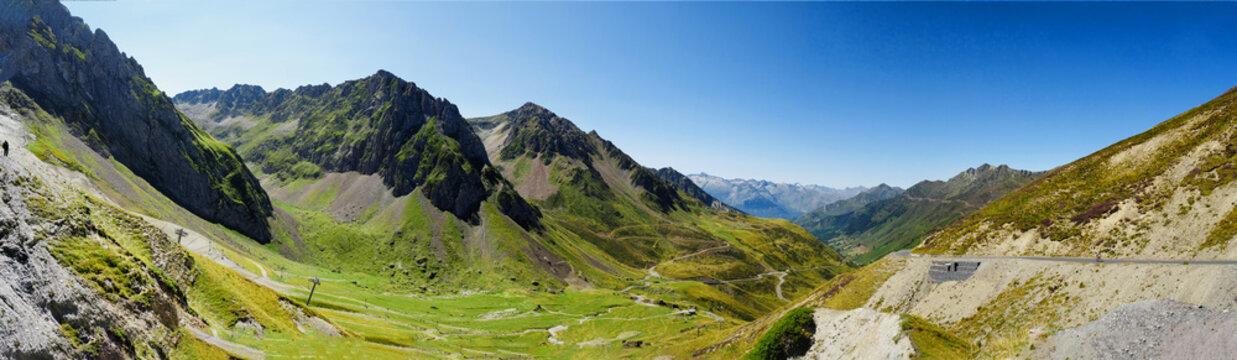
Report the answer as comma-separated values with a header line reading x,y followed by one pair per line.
x,y
231,347
781,277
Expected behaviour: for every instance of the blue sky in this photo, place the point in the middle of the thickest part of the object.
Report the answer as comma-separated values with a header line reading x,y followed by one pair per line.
x,y
836,94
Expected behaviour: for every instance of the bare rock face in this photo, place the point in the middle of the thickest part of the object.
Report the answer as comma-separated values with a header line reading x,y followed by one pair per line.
x,y
52,304
106,99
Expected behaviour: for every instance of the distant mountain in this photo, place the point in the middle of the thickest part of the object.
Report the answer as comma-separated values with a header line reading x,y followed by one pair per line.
x,y
867,232
685,184
878,193
769,199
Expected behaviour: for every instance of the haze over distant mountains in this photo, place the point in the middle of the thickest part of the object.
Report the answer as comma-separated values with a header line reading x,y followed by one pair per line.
x,y
769,199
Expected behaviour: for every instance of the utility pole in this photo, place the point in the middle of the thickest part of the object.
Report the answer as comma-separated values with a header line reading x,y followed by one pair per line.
x,y
311,290
180,234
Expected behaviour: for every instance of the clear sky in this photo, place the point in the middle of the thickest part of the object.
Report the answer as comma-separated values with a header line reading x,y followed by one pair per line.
x,y
837,94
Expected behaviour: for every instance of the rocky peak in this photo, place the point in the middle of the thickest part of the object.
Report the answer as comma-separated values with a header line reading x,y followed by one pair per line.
x,y
202,96
383,74
536,131
241,95
989,171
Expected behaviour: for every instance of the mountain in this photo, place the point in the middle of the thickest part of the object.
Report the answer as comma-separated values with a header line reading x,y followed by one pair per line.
x,y
685,184
1167,192
377,125
867,232
590,189
588,215
103,96
878,193
768,199
379,160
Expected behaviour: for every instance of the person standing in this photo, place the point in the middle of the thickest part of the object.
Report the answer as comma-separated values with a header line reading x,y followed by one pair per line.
x,y
6,148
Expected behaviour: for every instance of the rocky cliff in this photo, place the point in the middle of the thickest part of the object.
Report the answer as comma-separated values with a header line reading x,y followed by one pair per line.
x,y
106,99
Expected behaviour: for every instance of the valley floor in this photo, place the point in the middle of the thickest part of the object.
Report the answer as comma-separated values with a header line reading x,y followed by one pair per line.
x,y
519,324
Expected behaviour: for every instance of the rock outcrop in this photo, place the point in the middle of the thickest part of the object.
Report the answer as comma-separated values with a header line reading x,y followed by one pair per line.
x,y
70,290
107,100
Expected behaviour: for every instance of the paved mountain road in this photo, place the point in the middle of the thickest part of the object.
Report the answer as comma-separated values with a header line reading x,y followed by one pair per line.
x,y
907,253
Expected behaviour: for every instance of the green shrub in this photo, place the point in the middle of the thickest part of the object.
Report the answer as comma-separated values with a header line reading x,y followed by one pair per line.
x,y
790,336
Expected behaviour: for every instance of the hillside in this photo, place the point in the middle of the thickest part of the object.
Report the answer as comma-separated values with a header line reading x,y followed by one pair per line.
x,y
379,160
874,194
104,98
377,125
869,231
1165,193
590,189
769,199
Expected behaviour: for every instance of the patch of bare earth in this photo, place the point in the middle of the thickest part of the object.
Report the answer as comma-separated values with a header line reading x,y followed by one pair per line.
x,y
536,183
858,334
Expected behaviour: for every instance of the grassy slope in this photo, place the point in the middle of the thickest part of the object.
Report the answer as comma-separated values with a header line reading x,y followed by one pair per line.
x,y
217,295
1060,203
383,322
609,223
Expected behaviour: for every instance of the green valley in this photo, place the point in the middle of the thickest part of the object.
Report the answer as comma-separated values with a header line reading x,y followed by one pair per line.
x,y
366,217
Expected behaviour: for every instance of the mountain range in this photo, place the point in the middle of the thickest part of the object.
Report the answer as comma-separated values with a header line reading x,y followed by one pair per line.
x,y
883,219
369,218
769,199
